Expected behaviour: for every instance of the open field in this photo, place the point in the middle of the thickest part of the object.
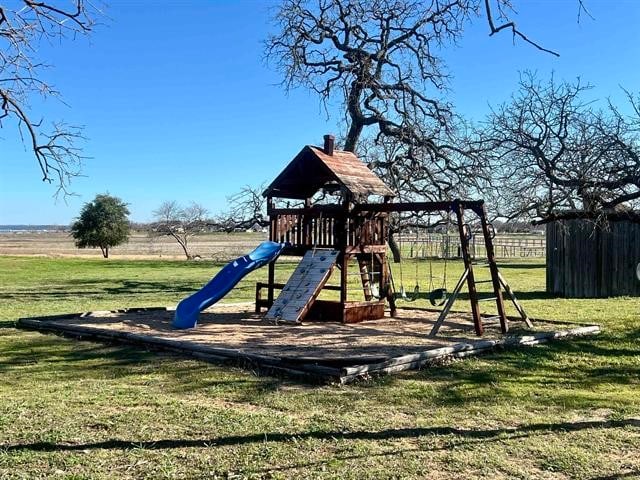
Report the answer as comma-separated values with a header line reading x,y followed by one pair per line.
x,y
216,246
222,246
74,409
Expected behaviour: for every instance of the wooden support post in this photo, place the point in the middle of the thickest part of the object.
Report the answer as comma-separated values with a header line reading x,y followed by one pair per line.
x,y
307,224
515,302
464,247
273,233
344,279
341,240
449,304
271,279
493,268
258,296
384,274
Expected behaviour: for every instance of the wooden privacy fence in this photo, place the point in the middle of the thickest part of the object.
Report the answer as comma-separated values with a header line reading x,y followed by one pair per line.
x,y
584,260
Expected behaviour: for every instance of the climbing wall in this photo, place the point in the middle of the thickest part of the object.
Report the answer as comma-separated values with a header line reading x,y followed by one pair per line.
x,y
303,287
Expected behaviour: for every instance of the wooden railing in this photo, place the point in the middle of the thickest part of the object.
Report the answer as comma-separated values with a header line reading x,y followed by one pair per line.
x,y
368,229
327,228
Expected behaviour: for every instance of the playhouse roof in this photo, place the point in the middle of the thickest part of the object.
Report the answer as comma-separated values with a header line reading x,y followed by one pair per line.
x,y
312,169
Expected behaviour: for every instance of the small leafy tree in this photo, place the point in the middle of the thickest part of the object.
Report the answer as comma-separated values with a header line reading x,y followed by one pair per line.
x,y
102,223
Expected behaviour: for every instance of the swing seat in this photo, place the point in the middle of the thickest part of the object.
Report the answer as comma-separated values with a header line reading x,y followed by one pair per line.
x,y
416,294
438,297
402,294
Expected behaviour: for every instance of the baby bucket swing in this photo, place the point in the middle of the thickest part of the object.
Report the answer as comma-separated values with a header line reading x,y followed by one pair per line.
x,y
438,296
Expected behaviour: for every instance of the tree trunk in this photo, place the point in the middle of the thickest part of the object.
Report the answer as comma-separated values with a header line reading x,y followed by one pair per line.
x,y
105,251
355,114
393,246
185,249
183,243
353,135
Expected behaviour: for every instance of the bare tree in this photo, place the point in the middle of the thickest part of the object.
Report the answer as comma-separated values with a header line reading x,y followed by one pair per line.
x,y
378,57
383,59
180,223
550,151
246,209
504,11
22,28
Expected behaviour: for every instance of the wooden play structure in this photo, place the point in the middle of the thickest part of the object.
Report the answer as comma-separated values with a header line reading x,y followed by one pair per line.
x,y
350,231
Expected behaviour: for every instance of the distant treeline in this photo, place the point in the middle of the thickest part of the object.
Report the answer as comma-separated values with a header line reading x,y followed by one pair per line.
x,y
34,228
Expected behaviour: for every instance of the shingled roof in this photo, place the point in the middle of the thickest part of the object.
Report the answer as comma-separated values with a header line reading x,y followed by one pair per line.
x,y
315,167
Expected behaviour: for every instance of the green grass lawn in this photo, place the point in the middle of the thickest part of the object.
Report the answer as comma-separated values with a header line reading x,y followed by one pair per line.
x,y
73,409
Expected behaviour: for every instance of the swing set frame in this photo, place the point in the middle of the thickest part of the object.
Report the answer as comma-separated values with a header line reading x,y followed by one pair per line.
x,y
500,285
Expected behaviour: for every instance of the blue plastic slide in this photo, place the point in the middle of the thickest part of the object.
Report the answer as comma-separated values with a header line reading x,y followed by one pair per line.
x,y
189,309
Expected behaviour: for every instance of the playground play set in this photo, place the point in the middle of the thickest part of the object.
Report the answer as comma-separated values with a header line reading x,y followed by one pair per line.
x,y
330,339
336,234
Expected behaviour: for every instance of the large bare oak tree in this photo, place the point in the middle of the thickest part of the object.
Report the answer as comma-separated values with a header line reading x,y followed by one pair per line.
x,y
383,59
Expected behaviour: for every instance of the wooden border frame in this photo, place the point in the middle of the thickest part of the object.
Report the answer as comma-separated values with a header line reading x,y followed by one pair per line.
x,y
307,369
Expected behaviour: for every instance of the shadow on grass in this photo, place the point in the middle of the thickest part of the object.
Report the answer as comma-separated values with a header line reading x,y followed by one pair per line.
x,y
46,353
126,287
521,266
530,295
499,434
205,264
542,371
39,355
134,287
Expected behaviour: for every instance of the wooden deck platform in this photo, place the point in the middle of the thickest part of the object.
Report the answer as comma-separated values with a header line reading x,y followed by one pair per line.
x,y
324,352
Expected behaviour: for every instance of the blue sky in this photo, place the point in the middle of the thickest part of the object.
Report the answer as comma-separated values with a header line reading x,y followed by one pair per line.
x,y
178,104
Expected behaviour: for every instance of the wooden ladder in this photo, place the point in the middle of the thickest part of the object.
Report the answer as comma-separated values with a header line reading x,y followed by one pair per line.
x,y
366,280
498,283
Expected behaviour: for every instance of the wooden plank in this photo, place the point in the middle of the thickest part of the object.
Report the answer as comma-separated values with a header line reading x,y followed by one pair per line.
x,y
514,300
302,367
351,250
416,360
449,304
355,312
474,205
303,286
215,354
